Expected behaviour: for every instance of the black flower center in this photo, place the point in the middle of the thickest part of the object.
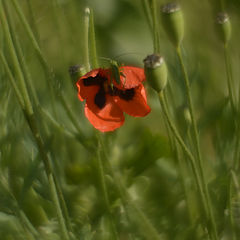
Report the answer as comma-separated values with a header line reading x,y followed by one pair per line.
x,y
100,97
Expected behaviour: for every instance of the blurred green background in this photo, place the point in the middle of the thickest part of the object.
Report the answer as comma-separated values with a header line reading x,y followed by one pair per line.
x,y
140,151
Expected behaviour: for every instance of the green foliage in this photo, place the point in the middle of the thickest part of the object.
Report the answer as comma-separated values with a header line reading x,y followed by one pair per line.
x,y
146,189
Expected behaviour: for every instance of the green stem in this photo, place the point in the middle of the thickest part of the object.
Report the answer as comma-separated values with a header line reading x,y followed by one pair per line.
x,y
234,182
29,115
188,153
229,79
149,230
33,21
20,55
86,42
12,82
196,139
155,27
230,203
105,193
25,222
92,40
222,5
183,177
33,40
147,12
48,72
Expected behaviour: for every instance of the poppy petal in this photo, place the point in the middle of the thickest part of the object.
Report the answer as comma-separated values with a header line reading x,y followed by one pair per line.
x,y
130,77
105,119
87,91
137,106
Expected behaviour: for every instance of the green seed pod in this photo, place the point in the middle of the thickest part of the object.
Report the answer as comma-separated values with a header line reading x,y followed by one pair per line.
x,y
173,22
187,116
184,119
224,28
76,72
155,71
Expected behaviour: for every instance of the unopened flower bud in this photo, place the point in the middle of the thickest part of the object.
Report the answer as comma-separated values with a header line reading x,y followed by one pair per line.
x,y
184,118
76,72
173,22
156,71
187,116
224,28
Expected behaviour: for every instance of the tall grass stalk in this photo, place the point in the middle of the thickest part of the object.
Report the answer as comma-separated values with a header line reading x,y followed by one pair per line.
x,y
30,117
229,79
209,210
36,47
92,42
105,194
86,39
194,166
47,70
21,59
155,27
147,13
156,49
32,124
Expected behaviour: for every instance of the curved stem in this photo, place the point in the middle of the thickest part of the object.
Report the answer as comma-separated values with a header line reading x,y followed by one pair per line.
x,y
47,70
155,27
105,192
92,40
190,156
196,139
31,120
86,42
147,12
229,79
149,230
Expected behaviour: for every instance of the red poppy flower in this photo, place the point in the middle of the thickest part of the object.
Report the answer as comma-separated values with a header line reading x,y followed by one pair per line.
x,y
106,100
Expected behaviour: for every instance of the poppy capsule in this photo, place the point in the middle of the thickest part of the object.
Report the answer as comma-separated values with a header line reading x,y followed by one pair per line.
x,y
223,27
155,71
173,22
76,71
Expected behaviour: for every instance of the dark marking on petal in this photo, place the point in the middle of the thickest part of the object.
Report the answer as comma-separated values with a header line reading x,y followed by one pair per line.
x,y
127,94
100,98
97,80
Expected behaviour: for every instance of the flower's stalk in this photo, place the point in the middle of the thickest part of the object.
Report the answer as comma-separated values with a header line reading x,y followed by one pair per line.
x,y
197,145
222,5
105,192
184,147
224,31
149,230
155,27
147,12
92,41
86,37
229,79
182,171
30,117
